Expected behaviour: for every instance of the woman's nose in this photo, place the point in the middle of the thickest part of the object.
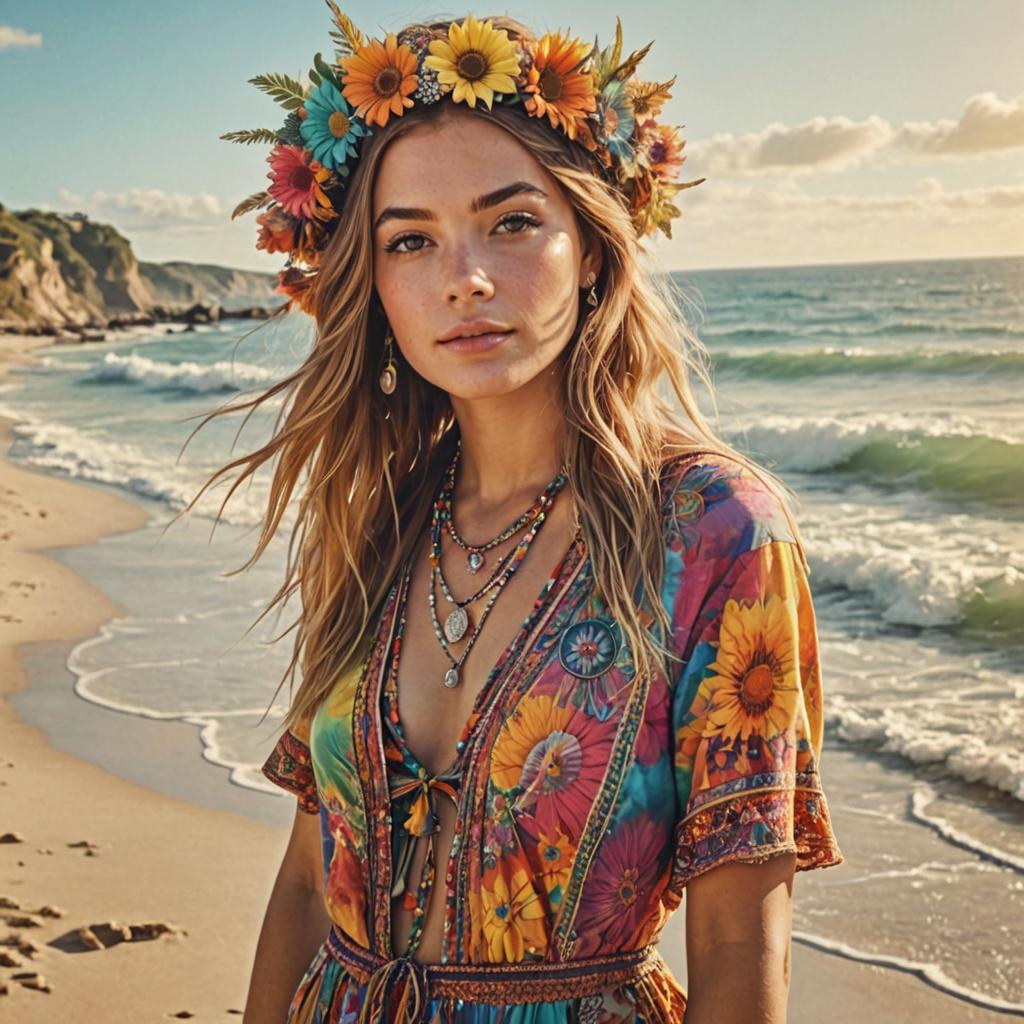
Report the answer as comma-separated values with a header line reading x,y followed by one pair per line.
x,y
466,279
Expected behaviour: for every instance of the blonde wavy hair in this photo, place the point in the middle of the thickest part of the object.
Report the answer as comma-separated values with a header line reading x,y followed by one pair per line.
x,y
373,462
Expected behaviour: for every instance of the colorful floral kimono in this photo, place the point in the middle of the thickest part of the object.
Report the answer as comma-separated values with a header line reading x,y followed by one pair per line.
x,y
588,794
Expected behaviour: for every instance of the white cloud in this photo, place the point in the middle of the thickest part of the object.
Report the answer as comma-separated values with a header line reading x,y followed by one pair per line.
x,y
10,36
741,224
822,145
149,209
987,125
725,200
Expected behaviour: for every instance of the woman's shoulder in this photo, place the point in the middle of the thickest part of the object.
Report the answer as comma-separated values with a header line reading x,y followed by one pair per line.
x,y
715,506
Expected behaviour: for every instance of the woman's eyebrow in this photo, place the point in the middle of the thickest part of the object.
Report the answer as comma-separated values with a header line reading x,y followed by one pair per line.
x,y
480,203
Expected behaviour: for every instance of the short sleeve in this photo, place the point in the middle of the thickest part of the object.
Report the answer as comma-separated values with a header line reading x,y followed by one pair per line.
x,y
290,766
747,719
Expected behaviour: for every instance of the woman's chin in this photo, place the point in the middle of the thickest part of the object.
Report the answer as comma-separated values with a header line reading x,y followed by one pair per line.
x,y
479,383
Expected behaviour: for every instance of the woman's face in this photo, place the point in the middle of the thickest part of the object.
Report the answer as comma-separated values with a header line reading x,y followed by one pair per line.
x,y
473,236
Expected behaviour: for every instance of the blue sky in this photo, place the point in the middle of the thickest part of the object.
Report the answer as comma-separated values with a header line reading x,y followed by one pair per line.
x,y
829,131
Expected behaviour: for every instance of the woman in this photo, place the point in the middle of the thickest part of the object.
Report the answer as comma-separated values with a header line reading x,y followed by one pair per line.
x,y
557,648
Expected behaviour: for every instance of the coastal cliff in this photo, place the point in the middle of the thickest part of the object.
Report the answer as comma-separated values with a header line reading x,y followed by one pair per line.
x,y
66,272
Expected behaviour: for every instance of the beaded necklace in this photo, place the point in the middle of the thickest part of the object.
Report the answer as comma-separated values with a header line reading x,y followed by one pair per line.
x,y
409,782
475,552
458,622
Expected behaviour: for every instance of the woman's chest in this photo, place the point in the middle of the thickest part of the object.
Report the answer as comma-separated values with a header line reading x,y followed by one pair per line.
x,y
565,759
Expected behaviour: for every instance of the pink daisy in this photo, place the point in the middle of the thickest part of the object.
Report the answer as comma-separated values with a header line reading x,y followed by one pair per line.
x,y
620,888
295,181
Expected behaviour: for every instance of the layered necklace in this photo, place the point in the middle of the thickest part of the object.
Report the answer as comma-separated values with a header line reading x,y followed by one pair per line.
x,y
457,622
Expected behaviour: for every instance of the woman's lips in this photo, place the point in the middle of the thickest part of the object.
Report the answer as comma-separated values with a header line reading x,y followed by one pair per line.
x,y
476,342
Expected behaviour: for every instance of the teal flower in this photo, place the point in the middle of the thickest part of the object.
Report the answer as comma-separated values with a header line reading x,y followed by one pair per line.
x,y
617,119
331,129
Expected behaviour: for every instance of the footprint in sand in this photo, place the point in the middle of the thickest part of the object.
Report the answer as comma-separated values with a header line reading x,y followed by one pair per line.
x,y
33,980
21,921
93,937
90,848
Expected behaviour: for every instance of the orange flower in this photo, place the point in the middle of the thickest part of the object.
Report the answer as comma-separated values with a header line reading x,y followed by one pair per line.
x,y
311,242
277,231
663,146
297,285
379,78
557,86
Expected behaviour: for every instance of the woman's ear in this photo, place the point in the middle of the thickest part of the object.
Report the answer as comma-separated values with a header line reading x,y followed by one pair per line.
x,y
591,262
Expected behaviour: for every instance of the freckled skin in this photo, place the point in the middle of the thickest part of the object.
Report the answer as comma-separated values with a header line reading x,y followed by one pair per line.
x,y
465,265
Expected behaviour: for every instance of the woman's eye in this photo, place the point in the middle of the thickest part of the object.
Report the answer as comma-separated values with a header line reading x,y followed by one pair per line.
x,y
393,245
522,219
518,222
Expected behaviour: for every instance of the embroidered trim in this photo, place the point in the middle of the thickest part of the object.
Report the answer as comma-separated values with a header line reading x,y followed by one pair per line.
x,y
807,779
754,826
291,767
497,984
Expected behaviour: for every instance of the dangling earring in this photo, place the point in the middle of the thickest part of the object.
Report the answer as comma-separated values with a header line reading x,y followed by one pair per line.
x,y
592,294
389,375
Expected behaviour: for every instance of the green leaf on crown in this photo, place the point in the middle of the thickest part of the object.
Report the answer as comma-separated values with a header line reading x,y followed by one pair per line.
x,y
348,38
326,72
289,133
247,138
282,89
254,202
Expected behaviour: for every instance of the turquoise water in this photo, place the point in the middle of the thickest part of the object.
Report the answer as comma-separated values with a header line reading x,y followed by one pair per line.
x,y
886,395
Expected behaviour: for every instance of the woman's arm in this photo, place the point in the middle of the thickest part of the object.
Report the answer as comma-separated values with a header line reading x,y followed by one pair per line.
x,y
294,926
738,931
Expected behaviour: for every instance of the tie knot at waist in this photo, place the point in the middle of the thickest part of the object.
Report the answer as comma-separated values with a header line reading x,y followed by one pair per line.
x,y
399,991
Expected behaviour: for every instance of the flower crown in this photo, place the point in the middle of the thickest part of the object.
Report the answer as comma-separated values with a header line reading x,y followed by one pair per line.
x,y
591,95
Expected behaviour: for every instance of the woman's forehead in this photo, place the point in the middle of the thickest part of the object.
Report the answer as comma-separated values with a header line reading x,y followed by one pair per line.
x,y
453,161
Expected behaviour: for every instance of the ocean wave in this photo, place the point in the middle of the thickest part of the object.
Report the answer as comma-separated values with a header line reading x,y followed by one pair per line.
x,y
945,455
858,325
789,294
189,376
958,330
777,365
148,474
981,745
927,971
923,796
953,582
747,333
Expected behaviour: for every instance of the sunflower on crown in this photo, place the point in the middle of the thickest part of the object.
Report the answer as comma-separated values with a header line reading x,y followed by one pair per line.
x,y
591,95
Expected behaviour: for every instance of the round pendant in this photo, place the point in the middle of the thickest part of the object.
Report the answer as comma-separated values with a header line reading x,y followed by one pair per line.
x,y
451,678
588,648
455,625
476,560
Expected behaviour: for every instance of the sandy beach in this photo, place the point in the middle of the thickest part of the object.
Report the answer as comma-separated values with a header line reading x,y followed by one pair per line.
x,y
83,848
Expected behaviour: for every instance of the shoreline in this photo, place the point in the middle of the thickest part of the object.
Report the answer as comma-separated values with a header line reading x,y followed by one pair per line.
x,y
157,858
151,858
